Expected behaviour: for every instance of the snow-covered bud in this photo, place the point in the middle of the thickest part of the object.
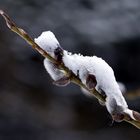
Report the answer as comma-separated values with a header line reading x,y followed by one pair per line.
x,y
93,71
48,42
136,115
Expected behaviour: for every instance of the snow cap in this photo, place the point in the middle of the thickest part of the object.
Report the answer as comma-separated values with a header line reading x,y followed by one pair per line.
x,y
47,41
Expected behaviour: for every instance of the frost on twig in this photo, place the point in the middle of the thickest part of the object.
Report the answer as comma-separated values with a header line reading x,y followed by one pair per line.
x,y
91,73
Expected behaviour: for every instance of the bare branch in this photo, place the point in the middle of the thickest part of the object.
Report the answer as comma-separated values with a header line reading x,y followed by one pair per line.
x,y
75,79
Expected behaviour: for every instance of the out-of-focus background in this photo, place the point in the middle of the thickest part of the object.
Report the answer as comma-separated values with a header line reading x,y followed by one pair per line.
x,y
31,107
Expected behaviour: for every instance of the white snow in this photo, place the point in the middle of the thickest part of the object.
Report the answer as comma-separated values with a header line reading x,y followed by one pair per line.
x,y
55,73
48,42
82,66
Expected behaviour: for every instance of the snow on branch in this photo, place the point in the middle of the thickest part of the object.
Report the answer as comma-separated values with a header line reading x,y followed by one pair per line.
x,y
92,74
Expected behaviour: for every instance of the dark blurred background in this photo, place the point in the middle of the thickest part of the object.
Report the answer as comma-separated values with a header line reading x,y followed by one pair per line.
x,y
31,107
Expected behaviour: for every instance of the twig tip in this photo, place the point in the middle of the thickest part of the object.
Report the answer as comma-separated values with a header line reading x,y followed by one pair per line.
x,y
1,12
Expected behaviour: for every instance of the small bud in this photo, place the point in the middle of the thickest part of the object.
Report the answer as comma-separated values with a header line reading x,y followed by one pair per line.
x,y
58,52
62,82
118,117
136,115
91,81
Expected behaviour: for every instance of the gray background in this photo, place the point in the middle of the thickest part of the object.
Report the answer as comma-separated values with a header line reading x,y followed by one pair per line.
x,y
31,107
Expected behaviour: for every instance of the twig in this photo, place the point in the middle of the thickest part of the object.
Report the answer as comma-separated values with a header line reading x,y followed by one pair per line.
x,y
75,79
31,42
